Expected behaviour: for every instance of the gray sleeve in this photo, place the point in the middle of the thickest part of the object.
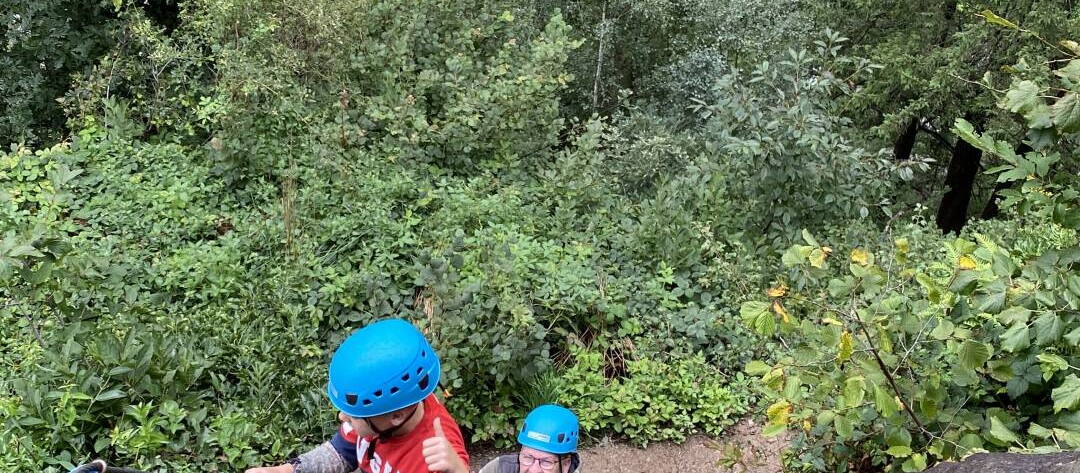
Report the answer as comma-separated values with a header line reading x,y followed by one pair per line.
x,y
491,467
502,464
322,459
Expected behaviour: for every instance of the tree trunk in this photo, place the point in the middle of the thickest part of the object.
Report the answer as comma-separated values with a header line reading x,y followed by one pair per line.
x,y
906,141
952,214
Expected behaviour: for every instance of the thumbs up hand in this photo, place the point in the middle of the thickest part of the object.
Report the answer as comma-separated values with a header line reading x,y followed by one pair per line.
x,y
440,454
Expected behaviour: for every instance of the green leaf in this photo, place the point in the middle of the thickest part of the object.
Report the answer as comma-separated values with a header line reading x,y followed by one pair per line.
x,y
1014,315
1039,431
999,431
854,391
1067,395
1073,337
773,430
963,282
1071,71
110,395
885,402
1041,116
844,427
973,354
1050,364
993,19
102,442
1048,328
809,239
1066,113
916,462
991,297
25,250
30,421
899,451
757,368
1021,97
1015,338
757,316
943,330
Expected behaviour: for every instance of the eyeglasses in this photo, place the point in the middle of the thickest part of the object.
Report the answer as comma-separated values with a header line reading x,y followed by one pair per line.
x,y
546,464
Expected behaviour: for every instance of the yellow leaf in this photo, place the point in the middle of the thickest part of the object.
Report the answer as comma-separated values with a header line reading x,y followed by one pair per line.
x,y
1071,46
992,18
806,425
832,321
966,262
774,379
847,347
902,245
779,412
860,256
817,257
781,311
779,291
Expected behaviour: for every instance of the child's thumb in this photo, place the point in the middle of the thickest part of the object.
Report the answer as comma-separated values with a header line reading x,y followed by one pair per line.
x,y
438,428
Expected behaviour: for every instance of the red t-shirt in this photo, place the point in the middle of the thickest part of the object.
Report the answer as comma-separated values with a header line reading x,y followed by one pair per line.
x,y
405,453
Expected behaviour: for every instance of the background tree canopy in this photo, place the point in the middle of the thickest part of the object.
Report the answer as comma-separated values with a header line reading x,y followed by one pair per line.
x,y
655,212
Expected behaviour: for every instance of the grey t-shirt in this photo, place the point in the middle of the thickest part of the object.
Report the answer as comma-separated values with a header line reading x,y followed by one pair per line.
x,y
509,464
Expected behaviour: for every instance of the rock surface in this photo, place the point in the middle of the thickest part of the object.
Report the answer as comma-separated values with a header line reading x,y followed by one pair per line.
x,y
1067,462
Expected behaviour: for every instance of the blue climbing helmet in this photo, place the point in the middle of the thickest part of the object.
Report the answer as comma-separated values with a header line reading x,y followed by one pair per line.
x,y
550,428
383,367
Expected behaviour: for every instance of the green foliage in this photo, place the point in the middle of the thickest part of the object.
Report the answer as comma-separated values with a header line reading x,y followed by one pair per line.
x,y
936,356
245,184
223,232
778,135
654,401
44,43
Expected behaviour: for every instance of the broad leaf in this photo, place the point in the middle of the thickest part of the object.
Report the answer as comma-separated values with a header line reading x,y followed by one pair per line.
x,y
1021,97
1048,328
1066,112
1015,338
1002,433
1067,395
854,391
973,354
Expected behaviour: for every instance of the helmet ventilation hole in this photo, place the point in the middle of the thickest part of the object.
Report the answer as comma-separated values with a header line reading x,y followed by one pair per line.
x,y
423,383
350,399
562,438
405,377
378,393
393,390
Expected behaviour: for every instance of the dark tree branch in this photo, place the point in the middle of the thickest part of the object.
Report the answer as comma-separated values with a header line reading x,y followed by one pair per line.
x,y
925,126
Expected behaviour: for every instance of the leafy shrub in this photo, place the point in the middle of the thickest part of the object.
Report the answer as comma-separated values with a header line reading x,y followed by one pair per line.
x,y
654,401
935,356
785,148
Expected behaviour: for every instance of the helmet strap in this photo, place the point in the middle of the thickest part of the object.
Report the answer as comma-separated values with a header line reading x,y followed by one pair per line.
x,y
387,433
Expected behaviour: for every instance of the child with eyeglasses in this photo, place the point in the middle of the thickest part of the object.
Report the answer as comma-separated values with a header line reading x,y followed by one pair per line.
x,y
381,380
548,439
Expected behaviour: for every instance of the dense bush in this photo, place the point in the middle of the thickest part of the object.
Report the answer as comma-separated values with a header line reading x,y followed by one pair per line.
x,y
241,184
938,354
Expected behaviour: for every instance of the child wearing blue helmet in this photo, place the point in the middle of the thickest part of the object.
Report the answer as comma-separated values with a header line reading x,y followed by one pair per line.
x,y
381,380
549,440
